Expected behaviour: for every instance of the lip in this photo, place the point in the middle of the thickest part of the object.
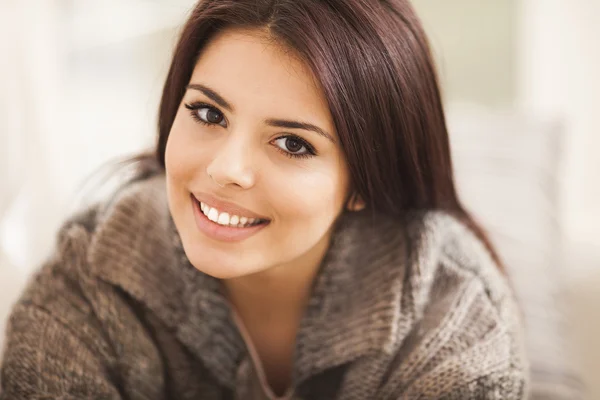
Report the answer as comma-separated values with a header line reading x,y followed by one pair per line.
x,y
220,232
224,206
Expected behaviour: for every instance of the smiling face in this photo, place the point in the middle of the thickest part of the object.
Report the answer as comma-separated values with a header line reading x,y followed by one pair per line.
x,y
253,146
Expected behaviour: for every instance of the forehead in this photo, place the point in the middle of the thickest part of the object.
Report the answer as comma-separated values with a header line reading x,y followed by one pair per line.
x,y
255,73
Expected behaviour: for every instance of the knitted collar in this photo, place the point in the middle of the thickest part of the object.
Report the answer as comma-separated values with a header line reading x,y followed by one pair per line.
x,y
357,289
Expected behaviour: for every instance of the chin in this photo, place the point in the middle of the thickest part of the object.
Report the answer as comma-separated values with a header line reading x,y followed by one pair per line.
x,y
218,266
221,273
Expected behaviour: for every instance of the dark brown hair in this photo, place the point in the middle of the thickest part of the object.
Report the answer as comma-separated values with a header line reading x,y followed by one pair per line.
x,y
374,65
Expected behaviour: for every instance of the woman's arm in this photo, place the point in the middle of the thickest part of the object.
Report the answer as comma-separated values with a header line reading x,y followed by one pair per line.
x,y
55,347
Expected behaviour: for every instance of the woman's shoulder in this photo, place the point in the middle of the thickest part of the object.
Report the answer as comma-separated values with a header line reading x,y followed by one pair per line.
x,y
425,247
72,320
450,266
131,203
442,245
108,231
466,334
124,209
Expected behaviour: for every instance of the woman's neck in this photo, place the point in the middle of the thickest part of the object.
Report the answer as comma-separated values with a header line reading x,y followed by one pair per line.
x,y
271,304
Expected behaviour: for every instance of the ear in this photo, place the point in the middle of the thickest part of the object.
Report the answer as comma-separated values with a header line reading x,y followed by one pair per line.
x,y
355,203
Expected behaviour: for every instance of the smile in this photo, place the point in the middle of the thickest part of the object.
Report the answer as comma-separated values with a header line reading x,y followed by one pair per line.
x,y
226,226
225,219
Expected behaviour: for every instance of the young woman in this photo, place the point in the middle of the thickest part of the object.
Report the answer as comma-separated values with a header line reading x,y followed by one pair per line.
x,y
295,235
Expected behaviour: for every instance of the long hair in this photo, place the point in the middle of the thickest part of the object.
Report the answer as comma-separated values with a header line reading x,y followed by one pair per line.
x,y
374,65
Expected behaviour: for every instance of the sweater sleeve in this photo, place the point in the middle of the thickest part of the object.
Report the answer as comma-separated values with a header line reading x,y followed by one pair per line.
x,y
55,347
466,344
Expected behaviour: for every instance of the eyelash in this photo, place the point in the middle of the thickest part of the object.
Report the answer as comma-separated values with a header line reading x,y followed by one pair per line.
x,y
193,107
310,150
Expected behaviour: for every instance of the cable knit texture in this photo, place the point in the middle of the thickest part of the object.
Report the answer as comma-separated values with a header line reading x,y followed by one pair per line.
x,y
411,310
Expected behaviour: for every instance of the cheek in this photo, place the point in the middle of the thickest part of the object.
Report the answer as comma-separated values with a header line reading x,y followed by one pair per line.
x,y
314,195
184,154
175,152
182,164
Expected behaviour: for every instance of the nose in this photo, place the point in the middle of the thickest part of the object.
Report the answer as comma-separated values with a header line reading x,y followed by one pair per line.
x,y
232,164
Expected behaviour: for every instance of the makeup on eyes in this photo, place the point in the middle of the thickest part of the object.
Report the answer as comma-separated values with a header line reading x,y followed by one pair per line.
x,y
219,117
194,107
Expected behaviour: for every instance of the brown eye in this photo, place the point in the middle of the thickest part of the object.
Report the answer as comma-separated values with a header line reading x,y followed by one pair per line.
x,y
293,145
213,116
206,114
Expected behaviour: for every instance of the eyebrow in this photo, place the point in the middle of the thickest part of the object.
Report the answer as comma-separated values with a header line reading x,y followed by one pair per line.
x,y
211,94
280,123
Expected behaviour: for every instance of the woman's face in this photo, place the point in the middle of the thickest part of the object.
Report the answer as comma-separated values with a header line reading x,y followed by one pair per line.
x,y
254,147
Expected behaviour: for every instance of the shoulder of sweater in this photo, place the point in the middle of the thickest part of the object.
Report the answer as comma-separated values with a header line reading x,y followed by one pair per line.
x,y
64,273
80,230
462,318
136,194
442,246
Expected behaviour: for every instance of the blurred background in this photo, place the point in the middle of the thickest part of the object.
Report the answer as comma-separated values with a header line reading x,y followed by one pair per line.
x,y
80,82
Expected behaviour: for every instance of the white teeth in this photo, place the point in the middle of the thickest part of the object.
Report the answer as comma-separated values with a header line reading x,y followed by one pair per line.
x,y
224,218
213,215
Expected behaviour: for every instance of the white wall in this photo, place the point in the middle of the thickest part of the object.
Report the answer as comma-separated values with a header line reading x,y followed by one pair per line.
x,y
474,43
83,95
541,56
558,74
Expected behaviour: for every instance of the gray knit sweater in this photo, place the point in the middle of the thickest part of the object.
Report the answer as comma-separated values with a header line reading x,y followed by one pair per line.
x,y
410,311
